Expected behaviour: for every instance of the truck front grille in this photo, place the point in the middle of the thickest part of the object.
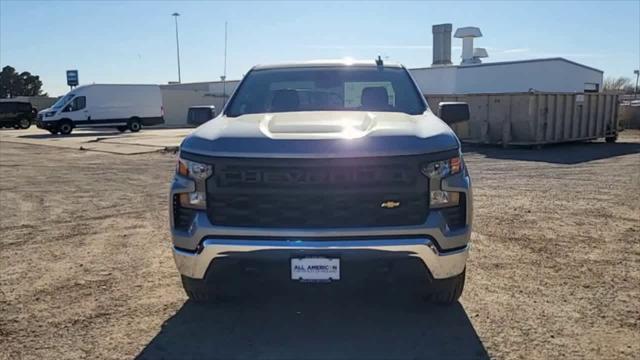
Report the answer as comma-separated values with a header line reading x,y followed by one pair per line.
x,y
317,193
317,210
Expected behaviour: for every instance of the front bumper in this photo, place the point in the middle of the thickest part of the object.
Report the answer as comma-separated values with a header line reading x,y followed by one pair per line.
x,y
440,264
47,125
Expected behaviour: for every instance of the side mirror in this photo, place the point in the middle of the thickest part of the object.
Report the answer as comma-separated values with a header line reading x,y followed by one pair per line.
x,y
453,112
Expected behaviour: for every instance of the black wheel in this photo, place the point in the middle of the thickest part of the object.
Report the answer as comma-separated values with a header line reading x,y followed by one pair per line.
x,y
122,128
447,291
24,123
134,125
65,127
611,139
197,290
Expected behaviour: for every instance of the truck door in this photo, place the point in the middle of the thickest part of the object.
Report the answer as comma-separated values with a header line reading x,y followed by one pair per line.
x,y
77,111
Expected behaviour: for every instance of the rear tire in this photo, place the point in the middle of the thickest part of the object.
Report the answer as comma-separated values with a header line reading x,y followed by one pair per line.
x,y
122,128
134,125
66,127
197,289
611,139
24,123
447,291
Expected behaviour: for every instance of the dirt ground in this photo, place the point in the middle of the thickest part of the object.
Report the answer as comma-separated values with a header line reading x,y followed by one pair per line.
x,y
86,269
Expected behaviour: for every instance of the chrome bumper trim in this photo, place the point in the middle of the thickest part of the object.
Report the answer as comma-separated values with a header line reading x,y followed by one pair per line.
x,y
440,264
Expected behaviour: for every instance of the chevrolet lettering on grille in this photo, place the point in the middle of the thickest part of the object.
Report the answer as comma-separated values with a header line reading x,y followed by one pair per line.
x,y
278,176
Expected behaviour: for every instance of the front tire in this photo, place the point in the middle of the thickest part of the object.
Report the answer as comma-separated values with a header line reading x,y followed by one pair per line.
x,y
24,123
611,139
447,291
135,125
66,127
197,290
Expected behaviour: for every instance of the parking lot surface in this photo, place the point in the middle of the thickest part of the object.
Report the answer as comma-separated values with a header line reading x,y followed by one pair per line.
x,y
87,272
147,140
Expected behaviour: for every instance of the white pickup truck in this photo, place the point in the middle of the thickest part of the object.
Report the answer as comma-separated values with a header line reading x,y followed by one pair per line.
x,y
323,168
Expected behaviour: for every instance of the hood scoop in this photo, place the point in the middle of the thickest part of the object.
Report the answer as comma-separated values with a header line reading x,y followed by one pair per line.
x,y
320,123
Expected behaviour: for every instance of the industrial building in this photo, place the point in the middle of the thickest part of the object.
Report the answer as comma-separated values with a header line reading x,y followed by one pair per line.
x,y
542,75
472,76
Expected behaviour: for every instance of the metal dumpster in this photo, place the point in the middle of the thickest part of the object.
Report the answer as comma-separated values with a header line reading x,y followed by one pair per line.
x,y
535,118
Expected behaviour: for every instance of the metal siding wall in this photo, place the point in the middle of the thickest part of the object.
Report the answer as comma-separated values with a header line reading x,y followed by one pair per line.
x,y
568,116
550,121
534,118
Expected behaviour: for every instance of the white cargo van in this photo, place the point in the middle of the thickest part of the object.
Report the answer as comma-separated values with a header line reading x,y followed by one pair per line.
x,y
120,106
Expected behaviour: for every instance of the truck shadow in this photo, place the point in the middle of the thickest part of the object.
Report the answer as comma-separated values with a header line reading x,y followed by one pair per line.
x,y
569,153
316,321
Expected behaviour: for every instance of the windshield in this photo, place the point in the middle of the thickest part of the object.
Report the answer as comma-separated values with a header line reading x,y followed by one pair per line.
x,y
63,100
340,88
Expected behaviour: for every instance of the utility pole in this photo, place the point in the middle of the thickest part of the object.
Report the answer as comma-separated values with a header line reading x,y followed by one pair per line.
x,y
175,16
224,74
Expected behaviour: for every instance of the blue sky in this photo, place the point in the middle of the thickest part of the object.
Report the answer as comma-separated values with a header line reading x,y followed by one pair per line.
x,y
134,42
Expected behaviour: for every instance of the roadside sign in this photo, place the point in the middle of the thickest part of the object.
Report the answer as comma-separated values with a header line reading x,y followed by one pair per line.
x,y
72,77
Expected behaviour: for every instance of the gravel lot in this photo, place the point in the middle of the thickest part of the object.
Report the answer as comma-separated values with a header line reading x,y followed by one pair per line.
x,y
86,269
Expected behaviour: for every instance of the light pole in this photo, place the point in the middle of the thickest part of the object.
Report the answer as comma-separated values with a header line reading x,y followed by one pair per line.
x,y
175,16
637,73
224,90
224,74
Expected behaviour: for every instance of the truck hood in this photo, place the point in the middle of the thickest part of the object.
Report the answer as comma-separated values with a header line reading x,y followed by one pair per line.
x,y
321,134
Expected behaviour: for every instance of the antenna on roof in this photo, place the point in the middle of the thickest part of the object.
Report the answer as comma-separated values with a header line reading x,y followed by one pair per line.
x,y
379,61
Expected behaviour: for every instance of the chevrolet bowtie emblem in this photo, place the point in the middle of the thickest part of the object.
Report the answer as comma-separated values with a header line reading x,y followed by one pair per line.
x,y
390,204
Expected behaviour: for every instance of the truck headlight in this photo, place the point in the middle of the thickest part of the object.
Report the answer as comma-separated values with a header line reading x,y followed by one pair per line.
x,y
195,170
442,168
442,199
194,200
199,173
436,171
49,113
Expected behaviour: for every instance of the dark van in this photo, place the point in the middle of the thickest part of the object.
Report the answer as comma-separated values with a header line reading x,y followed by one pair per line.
x,y
16,114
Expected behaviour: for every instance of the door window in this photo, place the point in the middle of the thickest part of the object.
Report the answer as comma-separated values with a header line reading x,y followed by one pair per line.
x,y
78,103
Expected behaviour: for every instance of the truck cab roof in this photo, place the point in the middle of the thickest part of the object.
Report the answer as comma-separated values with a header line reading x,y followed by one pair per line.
x,y
325,63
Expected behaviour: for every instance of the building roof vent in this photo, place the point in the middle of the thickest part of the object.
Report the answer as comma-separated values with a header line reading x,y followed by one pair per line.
x,y
469,31
467,34
479,53
441,44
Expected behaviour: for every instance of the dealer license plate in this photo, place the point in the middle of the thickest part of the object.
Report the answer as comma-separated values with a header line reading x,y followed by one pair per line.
x,y
315,269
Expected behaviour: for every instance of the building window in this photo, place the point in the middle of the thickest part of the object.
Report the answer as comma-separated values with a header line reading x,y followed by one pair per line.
x,y
591,87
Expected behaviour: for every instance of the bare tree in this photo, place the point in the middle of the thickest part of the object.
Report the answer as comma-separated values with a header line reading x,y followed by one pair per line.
x,y
619,84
